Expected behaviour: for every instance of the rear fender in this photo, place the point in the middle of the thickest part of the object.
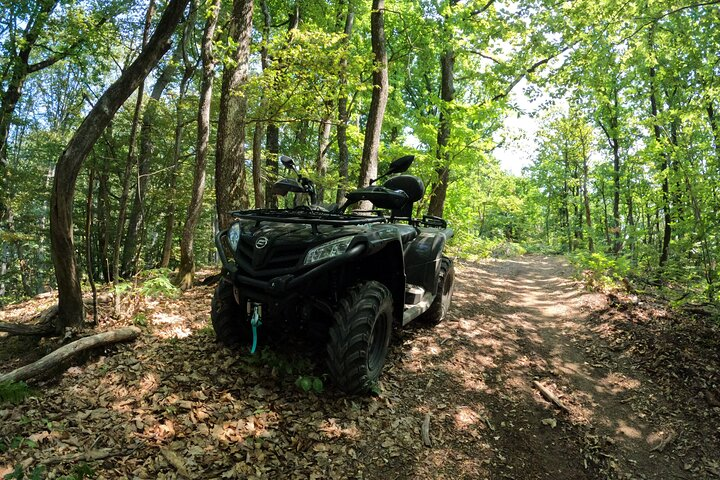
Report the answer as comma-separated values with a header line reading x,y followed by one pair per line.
x,y
422,259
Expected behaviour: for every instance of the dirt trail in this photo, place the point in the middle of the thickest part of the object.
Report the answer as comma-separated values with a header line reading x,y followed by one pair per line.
x,y
174,404
524,320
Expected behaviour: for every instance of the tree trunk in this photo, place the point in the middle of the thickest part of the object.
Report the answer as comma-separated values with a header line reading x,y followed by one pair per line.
x,y
272,141
373,127
257,175
70,304
18,70
103,215
173,172
614,125
136,219
586,197
88,242
230,176
118,267
186,271
343,115
447,93
323,145
664,165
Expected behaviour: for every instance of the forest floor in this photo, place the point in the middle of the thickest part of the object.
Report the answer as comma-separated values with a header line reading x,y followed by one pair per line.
x,y
638,388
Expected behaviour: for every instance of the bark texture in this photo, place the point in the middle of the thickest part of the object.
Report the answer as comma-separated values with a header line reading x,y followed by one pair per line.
x,y
186,270
230,176
373,128
70,304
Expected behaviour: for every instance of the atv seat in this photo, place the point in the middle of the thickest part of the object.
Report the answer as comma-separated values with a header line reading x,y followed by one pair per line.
x,y
412,186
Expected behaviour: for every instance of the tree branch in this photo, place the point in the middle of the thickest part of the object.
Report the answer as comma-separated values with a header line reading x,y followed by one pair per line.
x,y
528,71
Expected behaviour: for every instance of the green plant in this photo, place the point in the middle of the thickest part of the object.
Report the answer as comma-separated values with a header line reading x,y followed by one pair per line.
x,y
14,392
207,331
80,472
308,383
19,473
600,270
160,286
140,320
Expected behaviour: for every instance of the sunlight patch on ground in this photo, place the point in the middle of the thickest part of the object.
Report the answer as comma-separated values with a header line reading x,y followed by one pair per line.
x,y
172,326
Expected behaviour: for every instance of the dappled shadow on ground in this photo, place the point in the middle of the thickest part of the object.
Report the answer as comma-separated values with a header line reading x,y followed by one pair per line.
x,y
174,404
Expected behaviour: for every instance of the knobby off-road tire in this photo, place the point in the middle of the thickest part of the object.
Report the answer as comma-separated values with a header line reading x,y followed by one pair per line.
x,y
229,320
359,337
443,295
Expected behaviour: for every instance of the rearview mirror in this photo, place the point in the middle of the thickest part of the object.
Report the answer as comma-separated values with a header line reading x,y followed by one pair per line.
x,y
401,164
287,162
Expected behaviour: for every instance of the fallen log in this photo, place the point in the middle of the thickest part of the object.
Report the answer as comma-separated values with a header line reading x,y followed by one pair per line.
x,y
66,351
44,327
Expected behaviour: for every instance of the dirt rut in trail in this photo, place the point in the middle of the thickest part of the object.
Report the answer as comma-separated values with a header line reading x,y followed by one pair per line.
x,y
518,321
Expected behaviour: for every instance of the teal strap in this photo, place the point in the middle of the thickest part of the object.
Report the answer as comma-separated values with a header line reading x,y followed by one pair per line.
x,y
255,322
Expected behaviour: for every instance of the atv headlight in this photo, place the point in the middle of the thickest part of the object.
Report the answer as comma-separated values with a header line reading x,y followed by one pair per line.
x,y
234,236
327,250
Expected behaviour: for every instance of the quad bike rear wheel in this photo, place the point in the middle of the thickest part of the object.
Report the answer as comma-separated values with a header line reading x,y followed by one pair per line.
x,y
228,317
359,337
443,295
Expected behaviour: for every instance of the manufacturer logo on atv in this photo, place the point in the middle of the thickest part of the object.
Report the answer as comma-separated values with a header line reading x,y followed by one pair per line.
x,y
261,242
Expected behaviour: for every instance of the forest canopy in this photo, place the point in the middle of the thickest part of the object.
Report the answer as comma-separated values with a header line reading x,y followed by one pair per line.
x,y
625,172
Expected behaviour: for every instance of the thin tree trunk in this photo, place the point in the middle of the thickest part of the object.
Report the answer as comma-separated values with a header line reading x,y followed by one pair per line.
x,y
586,198
272,141
447,93
323,144
118,268
70,304
88,242
257,176
103,215
373,127
230,176
175,166
343,115
136,219
664,165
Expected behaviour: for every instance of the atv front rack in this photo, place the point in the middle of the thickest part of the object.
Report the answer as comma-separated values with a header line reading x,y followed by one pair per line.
x,y
306,216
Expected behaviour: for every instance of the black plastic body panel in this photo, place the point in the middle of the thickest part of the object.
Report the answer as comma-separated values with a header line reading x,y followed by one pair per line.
x,y
268,263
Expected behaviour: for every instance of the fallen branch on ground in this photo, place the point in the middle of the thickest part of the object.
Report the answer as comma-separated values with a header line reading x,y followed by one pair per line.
x,y
425,431
90,456
67,351
550,396
665,442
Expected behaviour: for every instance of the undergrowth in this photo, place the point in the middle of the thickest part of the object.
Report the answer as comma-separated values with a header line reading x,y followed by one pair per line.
x,y
14,392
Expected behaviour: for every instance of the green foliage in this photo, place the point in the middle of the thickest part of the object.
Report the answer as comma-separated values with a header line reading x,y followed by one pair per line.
x,y
160,286
80,472
600,270
310,383
19,473
140,320
14,392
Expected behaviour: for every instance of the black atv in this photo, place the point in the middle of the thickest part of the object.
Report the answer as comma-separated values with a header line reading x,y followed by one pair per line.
x,y
342,278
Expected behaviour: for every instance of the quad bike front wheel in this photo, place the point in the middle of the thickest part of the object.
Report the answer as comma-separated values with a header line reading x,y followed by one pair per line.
x,y
359,337
443,295
228,317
